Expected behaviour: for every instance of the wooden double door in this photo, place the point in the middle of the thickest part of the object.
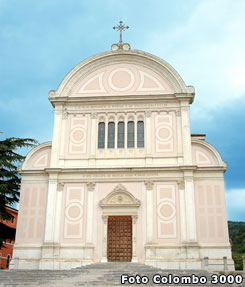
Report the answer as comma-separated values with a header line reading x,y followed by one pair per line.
x,y
119,238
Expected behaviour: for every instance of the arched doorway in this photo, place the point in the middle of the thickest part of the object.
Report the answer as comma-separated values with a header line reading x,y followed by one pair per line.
x,y
119,213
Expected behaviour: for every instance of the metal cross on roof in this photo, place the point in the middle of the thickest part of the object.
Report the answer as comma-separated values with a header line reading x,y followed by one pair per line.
x,y
121,27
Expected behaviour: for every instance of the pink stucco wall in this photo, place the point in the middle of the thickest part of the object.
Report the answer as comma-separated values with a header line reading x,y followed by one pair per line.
x,y
211,211
32,213
121,79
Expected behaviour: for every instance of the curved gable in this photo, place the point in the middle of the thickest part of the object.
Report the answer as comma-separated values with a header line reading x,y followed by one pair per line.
x,y
132,72
38,158
122,79
204,154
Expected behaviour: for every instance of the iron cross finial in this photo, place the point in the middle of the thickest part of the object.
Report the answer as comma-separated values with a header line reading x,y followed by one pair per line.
x,y
121,27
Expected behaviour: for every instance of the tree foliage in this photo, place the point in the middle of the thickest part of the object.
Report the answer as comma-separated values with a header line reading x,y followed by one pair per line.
x,y
9,178
237,235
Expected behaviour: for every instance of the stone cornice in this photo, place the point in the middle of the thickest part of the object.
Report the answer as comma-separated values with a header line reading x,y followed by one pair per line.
x,y
58,100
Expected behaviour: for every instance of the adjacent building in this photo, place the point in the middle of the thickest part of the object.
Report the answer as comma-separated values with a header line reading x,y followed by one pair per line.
x,y
6,251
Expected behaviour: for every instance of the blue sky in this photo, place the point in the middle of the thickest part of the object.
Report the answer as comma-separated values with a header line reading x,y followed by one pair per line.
x,y
40,41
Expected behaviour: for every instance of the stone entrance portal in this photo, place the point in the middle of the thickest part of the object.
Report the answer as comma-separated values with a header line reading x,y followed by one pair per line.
x,y
119,238
119,214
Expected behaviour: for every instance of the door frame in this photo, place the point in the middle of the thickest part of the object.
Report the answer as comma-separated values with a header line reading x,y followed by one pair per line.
x,y
116,203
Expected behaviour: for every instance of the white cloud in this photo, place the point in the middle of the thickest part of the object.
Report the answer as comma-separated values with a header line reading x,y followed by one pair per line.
x,y
235,203
208,51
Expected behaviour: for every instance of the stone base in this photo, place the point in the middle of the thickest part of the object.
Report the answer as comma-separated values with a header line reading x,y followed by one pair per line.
x,y
51,257
190,257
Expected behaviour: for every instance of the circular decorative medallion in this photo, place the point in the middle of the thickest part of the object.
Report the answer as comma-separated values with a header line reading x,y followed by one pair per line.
x,y
74,211
164,133
78,135
166,211
121,79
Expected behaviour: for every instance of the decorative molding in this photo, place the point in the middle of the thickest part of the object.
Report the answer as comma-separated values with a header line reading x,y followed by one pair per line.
x,y
120,197
118,107
90,186
149,185
181,184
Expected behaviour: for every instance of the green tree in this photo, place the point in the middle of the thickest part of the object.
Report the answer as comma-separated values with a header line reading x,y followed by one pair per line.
x,y
237,234
10,179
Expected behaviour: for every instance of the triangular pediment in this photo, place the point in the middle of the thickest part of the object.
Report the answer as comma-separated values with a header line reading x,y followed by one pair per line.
x,y
120,197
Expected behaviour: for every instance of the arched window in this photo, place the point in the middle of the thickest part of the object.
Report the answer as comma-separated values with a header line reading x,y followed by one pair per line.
x,y
7,262
101,135
120,135
140,134
111,135
131,134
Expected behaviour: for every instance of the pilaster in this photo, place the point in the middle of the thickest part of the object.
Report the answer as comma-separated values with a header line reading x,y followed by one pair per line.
x,y
186,135
149,211
93,134
134,235
191,235
56,137
181,187
148,133
104,248
90,211
51,208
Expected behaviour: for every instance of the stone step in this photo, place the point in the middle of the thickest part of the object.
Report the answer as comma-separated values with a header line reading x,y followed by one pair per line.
x,y
99,274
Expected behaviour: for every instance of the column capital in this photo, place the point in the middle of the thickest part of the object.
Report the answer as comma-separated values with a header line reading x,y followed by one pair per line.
x,y
178,113
60,186
105,218
181,184
65,113
134,218
149,185
148,114
90,186
94,115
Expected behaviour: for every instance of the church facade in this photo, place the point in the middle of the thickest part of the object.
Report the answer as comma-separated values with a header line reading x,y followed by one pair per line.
x,y
123,179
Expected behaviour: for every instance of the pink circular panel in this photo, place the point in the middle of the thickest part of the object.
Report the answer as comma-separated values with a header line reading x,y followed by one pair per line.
x,y
121,79
78,135
166,210
74,211
164,133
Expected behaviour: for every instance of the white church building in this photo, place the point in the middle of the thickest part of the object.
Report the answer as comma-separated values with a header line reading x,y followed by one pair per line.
x,y
123,178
